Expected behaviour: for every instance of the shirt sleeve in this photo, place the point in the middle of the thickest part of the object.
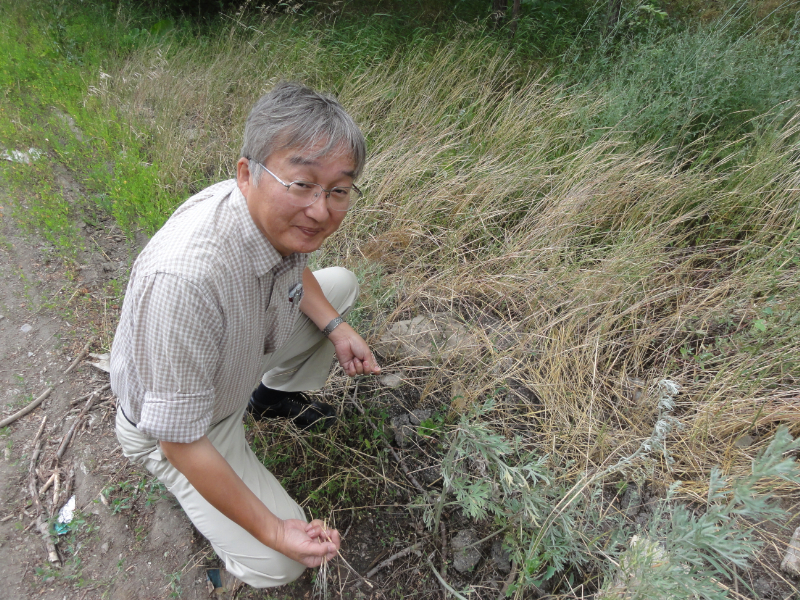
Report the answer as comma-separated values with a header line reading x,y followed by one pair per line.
x,y
178,333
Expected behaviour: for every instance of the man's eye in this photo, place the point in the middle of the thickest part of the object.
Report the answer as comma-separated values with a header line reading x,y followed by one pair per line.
x,y
303,185
341,192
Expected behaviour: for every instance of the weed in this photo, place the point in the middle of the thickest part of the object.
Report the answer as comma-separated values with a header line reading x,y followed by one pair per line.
x,y
174,584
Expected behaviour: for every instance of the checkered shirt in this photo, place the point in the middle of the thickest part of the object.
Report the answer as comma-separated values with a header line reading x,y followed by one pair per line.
x,y
207,301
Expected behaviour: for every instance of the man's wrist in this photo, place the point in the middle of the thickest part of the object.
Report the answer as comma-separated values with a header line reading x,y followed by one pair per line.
x,y
274,533
328,329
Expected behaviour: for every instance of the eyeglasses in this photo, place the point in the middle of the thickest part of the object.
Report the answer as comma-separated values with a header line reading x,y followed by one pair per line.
x,y
305,193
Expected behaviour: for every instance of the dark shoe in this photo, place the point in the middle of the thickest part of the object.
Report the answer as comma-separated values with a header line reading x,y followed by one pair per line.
x,y
266,403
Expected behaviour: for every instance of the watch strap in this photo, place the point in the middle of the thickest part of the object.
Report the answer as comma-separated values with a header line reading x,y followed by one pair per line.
x,y
332,325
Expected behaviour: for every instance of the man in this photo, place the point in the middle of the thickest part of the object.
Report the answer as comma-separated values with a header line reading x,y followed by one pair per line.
x,y
220,297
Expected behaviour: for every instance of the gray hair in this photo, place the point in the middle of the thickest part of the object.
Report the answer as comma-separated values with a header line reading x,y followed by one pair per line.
x,y
295,116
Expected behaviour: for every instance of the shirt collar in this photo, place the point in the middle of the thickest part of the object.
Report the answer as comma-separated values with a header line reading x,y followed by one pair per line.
x,y
263,256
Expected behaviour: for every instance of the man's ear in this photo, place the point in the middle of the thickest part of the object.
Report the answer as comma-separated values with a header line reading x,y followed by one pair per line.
x,y
243,179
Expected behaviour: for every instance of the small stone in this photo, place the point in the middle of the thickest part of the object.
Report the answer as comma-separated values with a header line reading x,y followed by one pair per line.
x,y
7,454
2,317
108,267
25,328
459,400
30,354
744,442
418,416
426,340
762,588
465,555
791,562
104,548
501,558
402,430
391,380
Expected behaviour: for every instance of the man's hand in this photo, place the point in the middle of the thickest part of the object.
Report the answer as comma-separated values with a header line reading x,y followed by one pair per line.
x,y
308,543
353,352
212,476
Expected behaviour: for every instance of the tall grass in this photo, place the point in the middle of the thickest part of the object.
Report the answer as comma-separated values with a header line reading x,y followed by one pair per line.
x,y
597,234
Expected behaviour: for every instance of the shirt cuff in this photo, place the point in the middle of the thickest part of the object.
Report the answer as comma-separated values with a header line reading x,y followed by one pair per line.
x,y
176,417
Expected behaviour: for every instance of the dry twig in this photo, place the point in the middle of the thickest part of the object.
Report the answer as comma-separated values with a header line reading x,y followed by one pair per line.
x,y
52,554
99,390
394,557
27,409
78,358
68,436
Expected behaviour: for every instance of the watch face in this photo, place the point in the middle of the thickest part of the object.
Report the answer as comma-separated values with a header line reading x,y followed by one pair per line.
x,y
296,292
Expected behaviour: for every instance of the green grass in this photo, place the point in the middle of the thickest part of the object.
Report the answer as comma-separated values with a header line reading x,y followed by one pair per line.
x,y
331,473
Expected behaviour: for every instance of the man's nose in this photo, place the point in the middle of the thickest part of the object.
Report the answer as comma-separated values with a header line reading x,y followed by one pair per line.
x,y
318,210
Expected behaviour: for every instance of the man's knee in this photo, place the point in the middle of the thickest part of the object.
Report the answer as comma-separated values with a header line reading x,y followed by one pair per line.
x,y
340,287
271,572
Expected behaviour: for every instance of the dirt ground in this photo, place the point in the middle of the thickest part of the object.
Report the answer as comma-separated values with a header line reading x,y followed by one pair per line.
x,y
131,542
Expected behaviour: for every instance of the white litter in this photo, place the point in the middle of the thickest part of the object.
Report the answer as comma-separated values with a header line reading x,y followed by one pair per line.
x,y
103,361
67,511
25,328
22,157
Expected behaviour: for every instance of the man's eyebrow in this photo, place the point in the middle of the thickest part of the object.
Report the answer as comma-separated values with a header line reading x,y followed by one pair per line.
x,y
310,162
303,161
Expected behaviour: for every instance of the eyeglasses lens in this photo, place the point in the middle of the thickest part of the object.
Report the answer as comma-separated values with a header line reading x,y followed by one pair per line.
x,y
305,194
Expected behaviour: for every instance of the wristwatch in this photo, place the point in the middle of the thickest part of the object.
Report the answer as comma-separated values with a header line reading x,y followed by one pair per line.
x,y
332,325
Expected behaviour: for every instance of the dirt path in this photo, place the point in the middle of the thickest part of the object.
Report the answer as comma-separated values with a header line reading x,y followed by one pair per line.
x,y
135,542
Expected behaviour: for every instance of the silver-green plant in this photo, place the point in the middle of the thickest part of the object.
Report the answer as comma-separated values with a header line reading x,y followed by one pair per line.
x,y
689,554
549,529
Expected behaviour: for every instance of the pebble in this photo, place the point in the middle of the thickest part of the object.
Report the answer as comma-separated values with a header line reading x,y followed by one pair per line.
x,y
465,559
501,558
791,562
7,454
104,548
391,380
25,328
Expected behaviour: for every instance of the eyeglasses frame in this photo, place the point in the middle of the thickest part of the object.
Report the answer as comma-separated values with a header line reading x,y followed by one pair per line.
x,y
317,195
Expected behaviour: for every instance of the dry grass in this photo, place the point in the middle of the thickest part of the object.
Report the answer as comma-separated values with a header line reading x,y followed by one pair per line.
x,y
599,260
588,270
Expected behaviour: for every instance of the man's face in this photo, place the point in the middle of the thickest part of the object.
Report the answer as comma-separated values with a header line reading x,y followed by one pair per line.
x,y
291,228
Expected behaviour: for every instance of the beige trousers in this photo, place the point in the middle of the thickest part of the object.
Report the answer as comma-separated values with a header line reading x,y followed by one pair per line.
x,y
302,363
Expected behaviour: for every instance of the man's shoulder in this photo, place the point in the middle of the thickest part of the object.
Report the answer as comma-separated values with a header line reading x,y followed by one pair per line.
x,y
198,241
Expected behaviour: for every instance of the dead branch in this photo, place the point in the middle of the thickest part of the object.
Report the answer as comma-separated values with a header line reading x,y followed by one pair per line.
x,y
509,580
79,358
52,554
47,485
56,490
75,401
393,558
68,436
445,585
69,481
27,409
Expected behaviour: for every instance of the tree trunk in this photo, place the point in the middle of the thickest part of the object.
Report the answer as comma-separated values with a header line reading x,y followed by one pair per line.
x,y
612,17
514,18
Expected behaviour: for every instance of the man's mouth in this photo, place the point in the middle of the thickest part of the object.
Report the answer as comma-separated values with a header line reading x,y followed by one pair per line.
x,y
309,231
